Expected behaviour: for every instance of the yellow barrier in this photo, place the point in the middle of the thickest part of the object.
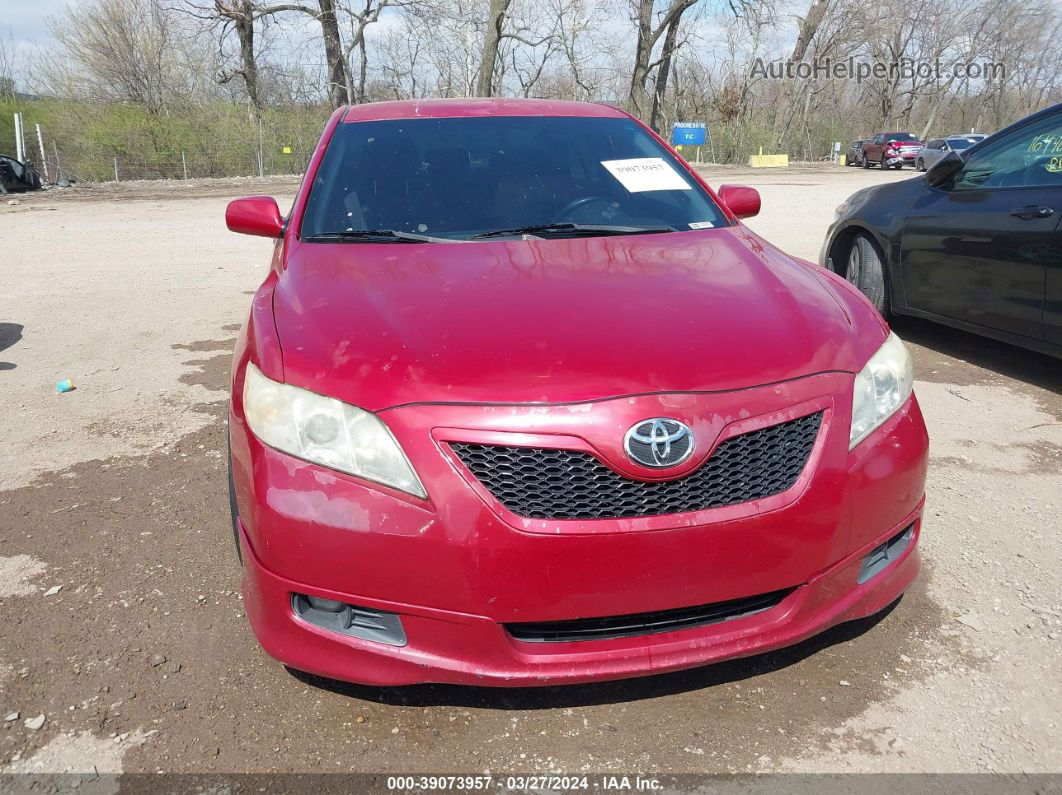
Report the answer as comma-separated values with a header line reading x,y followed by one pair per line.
x,y
768,161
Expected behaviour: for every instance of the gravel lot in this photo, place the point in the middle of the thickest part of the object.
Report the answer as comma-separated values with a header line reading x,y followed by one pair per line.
x,y
119,587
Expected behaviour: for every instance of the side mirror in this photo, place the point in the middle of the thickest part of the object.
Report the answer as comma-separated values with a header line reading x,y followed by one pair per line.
x,y
742,201
255,215
944,169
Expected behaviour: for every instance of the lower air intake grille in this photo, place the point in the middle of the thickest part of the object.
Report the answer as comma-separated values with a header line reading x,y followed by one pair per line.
x,y
645,623
569,484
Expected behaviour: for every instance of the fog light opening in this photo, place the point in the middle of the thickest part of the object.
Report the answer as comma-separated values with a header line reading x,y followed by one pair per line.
x,y
884,555
350,620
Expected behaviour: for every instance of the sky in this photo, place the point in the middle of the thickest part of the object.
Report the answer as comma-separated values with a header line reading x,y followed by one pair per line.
x,y
24,20
24,24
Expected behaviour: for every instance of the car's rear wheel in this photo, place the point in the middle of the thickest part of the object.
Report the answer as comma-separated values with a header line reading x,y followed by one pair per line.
x,y
866,270
864,162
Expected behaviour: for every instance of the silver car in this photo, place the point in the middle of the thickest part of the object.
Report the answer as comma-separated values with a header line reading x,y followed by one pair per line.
x,y
938,147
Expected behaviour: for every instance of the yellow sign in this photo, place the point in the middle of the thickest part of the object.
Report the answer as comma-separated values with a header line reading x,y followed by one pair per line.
x,y
769,161
287,150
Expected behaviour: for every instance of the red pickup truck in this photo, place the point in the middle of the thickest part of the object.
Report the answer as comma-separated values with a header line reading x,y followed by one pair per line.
x,y
891,150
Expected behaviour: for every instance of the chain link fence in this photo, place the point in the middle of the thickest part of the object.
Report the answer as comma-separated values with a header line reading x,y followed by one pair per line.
x,y
87,143
269,152
90,143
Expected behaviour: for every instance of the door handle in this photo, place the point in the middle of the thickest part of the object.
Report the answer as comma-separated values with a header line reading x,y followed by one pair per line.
x,y
1031,212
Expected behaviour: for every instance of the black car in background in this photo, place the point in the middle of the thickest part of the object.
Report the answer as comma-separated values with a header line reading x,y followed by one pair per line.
x,y
16,176
975,243
854,155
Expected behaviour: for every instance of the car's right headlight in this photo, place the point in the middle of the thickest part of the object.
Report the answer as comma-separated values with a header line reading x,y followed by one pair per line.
x,y
325,431
880,388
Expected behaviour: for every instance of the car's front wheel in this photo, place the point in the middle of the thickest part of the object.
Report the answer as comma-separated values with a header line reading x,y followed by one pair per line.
x,y
866,270
920,165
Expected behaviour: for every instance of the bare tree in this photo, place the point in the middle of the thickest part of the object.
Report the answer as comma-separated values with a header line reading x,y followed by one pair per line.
x,y
7,68
575,21
338,72
808,26
663,71
491,38
650,28
119,49
361,15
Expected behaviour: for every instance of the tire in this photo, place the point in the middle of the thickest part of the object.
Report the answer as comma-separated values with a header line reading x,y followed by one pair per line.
x,y
865,269
864,162
920,165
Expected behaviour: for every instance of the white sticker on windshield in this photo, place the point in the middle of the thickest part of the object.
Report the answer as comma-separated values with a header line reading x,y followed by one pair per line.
x,y
645,173
701,225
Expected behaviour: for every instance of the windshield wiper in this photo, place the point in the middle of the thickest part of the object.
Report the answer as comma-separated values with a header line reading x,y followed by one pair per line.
x,y
574,229
374,236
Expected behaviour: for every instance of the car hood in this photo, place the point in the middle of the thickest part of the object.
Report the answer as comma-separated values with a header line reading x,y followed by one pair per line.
x,y
551,321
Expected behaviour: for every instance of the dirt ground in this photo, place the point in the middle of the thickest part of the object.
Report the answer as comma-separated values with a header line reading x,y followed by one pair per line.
x,y
119,586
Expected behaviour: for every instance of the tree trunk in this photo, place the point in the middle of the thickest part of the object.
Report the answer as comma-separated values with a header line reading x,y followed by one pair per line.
x,y
244,26
363,55
491,38
648,36
336,63
663,71
809,26
643,51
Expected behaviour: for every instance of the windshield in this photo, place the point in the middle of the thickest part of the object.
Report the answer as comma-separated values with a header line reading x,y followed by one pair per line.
x,y
456,178
900,137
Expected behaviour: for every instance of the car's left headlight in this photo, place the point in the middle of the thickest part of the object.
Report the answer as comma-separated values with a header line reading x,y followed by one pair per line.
x,y
325,431
880,388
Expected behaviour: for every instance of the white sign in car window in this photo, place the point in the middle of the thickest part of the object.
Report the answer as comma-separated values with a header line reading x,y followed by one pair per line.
x,y
645,173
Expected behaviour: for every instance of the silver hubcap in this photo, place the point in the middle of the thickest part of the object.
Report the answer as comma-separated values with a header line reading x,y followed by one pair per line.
x,y
854,265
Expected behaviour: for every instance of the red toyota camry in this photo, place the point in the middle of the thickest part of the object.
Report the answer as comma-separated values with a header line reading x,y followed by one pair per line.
x,y
523,402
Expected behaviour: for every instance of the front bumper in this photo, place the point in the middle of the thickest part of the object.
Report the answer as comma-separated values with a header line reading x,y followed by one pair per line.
x,y
457,566
459,648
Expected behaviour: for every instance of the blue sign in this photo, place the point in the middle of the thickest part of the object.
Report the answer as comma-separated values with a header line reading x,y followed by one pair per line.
x,y
689,133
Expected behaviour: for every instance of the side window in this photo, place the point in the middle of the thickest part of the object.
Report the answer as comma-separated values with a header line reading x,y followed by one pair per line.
x,y
1029,157
879,139
935,145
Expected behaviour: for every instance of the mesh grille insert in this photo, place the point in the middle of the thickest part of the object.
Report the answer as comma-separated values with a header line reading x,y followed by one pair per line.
x,y
645,623
570,484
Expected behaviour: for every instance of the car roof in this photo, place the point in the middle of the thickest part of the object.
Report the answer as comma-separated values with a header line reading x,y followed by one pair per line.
x,y
458,108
